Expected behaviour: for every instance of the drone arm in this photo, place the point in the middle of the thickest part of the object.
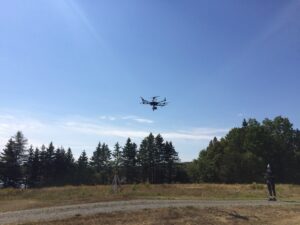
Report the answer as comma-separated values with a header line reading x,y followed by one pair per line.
x,y
163,103
144,101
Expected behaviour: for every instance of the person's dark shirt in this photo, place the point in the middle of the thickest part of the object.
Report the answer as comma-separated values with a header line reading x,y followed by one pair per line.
x,y
269,175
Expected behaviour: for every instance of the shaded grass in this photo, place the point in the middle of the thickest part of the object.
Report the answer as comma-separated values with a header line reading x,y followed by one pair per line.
x,y
15,199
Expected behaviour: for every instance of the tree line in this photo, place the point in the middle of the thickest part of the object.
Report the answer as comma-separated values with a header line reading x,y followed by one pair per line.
x,y
243,154
154,161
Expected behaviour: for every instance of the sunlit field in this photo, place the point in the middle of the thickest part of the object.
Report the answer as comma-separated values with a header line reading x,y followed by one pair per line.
x,y
15,199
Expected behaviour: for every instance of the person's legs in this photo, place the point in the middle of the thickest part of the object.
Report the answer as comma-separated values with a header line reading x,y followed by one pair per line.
x,y
273,190
269,189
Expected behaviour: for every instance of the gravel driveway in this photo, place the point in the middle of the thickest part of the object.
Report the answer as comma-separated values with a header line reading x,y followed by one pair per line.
x,y
61,212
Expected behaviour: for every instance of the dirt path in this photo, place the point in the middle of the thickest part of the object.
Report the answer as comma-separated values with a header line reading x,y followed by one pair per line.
x,y
61,212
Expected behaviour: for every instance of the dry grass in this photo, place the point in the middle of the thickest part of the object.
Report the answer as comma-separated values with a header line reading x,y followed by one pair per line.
x,y
193,216
13,199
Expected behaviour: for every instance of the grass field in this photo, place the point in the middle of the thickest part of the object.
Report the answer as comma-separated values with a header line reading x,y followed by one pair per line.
x,y
14,199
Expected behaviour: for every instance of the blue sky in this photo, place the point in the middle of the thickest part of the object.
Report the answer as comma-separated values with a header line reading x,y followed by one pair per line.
x,y
72,71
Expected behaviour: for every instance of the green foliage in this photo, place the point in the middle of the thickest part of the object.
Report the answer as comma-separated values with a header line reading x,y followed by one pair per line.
x,y
156,161
117,154
84,173
242,156
100,161
11,168
12,159
129,161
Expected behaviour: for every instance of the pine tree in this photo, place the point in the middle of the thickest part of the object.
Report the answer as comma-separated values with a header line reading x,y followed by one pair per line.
x,y
33,167
129,161
146,158
152,155
117,153
101,162
60,166
11,168
70,165
143,161
83,161
70,157
20,147
12,159
43,164
159,151
36,168
29,167
170,158
245,124
83,174
48,164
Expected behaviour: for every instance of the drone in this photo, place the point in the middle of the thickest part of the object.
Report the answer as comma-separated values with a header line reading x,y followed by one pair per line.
x,y
154,103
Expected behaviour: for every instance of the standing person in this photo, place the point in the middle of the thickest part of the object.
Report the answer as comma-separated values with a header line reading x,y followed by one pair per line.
x,y
270,183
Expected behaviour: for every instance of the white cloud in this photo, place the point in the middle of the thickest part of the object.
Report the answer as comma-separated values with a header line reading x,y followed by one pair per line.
x,y
6,116
97,129
197,134
209,130
138,119
131,118
81,133
175,135
111,118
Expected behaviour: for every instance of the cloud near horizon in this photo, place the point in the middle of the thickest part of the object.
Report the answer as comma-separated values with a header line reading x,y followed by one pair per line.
x,y
130,118
82,133
9,124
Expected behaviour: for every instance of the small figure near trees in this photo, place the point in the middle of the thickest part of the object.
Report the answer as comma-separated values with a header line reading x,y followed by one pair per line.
x,y
270,183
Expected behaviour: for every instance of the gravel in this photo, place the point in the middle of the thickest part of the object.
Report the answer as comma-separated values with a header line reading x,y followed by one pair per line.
x,y
62,212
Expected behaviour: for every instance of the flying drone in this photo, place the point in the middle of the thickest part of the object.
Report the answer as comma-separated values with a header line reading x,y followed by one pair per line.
x,y
155,102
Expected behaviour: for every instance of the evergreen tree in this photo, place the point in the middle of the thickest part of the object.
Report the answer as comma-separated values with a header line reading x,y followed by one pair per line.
x,y
12,159
143,161
84,172
60,166
20,143
42,157
47,164
101,163
30,178
159,156
70,158
11,168
171,158
83,161
245,124
146,158
70,166
117,155
36,168
129,161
